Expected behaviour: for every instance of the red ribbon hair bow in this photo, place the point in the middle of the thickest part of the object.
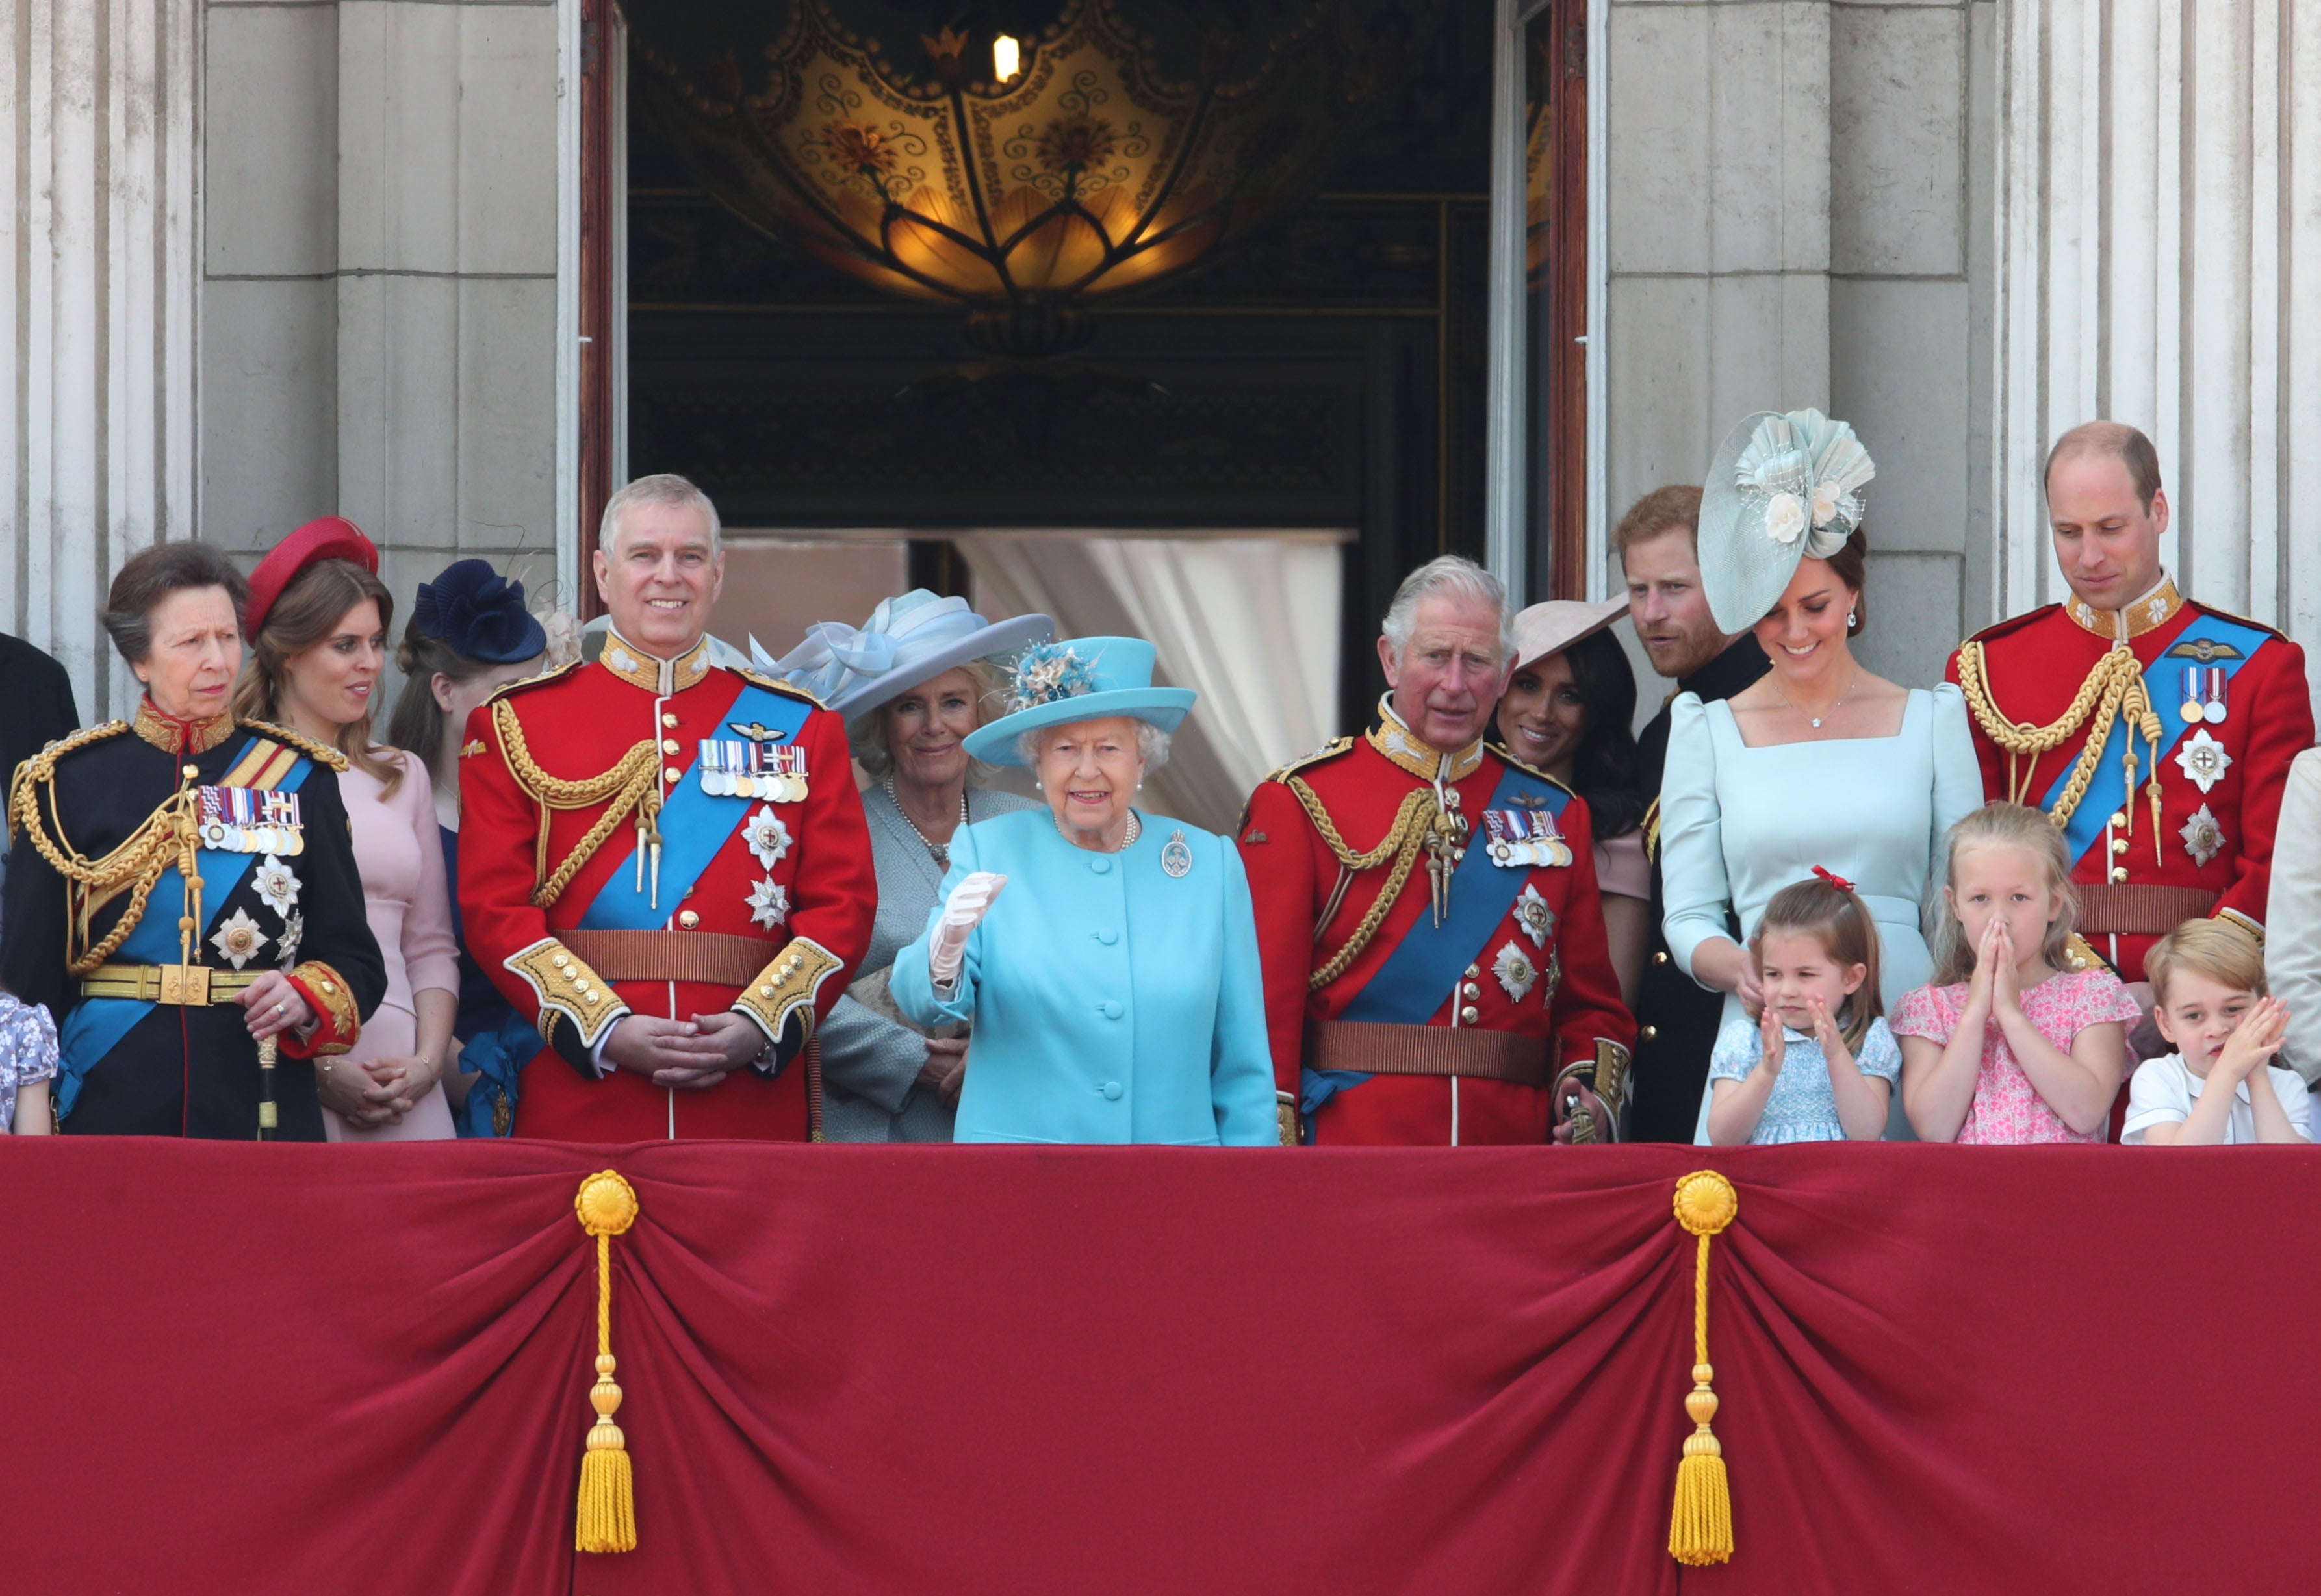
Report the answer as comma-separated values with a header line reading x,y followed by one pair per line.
x,y
1834,879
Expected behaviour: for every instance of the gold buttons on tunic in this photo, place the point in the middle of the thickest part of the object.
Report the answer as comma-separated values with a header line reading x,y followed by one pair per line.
x,y
1469,1014
192,771
1660,957
2119,817
669,720
1651,1033
668,745
1473,971
2119,844
2119,873
1470,991
689,919
672,776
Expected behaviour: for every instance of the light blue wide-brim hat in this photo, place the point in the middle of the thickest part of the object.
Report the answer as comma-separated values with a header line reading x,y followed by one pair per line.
x,y
1078,679
910,638
1781,490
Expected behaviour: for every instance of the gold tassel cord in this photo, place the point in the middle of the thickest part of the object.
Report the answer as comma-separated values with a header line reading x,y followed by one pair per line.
x,y
606,1206
1700,1520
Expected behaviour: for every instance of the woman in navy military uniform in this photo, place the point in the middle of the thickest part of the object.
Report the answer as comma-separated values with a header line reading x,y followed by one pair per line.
x,y
183,886
1115,992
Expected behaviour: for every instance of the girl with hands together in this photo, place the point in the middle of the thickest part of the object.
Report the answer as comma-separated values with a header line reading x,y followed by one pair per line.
x,y
1819,1065
2220,1087
2015,1039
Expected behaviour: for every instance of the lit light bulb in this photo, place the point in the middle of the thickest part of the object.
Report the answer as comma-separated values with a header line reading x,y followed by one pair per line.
x,y
1006,59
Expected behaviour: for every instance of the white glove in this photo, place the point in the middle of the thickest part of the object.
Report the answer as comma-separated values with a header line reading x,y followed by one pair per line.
x,y
969,902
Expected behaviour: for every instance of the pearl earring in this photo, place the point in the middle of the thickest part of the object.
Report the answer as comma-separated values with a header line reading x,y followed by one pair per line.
x,y
1852,619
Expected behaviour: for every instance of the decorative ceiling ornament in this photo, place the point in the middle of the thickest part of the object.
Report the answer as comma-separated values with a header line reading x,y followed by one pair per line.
x,y
1133,139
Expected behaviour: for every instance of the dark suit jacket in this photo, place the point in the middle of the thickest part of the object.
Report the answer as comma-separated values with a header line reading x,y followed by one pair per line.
x,y
1676,1019
36,704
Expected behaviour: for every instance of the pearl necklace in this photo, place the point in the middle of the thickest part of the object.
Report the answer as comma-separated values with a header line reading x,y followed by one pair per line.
x,y
940,850
1127,838
1816,721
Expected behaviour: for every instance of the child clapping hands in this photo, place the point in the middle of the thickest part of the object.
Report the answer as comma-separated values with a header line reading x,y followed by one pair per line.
x,y
2219,1087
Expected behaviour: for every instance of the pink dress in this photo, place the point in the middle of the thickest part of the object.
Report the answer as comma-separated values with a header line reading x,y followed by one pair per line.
x,y
2007,1109
400,853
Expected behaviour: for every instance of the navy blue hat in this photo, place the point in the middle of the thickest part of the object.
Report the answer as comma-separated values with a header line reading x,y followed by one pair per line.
x,y
476,612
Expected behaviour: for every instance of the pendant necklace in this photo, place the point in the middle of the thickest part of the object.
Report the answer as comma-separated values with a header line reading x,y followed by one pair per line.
x,y
1816,721
942,850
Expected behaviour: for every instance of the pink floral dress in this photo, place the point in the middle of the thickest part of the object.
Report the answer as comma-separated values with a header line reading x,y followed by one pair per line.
x,y
2007,1108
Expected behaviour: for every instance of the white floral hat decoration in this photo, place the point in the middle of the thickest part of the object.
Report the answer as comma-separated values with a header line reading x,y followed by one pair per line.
x,y
1783,488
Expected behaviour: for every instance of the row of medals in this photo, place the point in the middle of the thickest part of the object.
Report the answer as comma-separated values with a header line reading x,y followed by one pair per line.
x,y
773,789
254,840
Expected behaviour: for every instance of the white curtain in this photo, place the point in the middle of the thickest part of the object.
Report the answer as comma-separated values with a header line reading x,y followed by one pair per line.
x,y
1251,623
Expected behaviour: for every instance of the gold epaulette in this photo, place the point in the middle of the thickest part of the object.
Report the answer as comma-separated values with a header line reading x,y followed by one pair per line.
x,y
1533,771
758,678
321,753
1328,750
41,768
536,679
2013,624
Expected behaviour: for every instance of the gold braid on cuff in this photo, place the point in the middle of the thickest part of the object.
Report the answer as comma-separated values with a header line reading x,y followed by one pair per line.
x,y
325,991
566,985
789,983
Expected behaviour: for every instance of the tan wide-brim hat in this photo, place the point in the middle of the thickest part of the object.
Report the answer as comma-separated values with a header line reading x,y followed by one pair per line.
x,y
1554,626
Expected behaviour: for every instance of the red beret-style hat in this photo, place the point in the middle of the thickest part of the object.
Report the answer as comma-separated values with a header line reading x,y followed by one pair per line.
x,y
331,537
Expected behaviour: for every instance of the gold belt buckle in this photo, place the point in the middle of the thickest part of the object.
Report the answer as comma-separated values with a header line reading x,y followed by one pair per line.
x,y
186,984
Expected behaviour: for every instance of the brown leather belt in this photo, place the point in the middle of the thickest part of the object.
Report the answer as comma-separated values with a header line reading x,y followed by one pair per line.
x,y
1375,1049
2137,909
708,958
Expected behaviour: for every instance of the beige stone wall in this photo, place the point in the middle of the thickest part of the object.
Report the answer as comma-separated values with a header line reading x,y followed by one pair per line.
x,y
1798,205
379,285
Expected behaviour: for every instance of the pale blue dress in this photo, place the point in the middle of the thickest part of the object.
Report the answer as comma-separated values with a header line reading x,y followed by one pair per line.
x,y
1802,1105
1740,823
1113,999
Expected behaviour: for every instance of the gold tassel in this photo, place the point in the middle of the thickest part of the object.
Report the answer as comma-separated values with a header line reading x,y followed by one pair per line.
x,y
607,1520
1700,1523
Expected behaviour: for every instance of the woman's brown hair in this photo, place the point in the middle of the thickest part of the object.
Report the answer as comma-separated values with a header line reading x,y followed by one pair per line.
x,y
308,612
417,726
1836,917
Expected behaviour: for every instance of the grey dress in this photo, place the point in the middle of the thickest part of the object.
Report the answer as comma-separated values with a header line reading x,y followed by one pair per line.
x,y
870,1060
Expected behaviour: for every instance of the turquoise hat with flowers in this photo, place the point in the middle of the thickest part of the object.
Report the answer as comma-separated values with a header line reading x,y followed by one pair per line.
x,y
1781,490
1078,679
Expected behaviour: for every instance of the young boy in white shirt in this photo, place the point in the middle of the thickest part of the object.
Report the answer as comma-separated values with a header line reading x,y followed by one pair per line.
x,y
2220,1086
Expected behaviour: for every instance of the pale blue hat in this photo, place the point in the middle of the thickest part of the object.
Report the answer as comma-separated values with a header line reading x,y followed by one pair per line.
x,y
1078,679
910,638
1782,489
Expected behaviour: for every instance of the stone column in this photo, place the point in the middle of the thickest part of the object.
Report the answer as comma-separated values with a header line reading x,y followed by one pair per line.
x,y
97,141
380,298
2158,218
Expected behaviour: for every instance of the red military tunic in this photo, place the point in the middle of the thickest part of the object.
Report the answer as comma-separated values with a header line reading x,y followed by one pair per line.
x,y
2220,779
1538,968
763,901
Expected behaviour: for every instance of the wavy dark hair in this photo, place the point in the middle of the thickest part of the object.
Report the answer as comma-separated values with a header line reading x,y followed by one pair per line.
x,y
1604,770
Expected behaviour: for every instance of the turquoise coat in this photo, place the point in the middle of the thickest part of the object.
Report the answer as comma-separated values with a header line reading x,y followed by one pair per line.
x,y
1110,1001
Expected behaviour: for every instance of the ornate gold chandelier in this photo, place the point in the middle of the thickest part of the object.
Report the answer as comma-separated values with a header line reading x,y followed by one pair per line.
x,y
1125,145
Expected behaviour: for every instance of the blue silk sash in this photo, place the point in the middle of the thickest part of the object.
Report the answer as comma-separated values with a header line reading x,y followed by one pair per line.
x,y
695,826
96,1025
1426,967
2107,791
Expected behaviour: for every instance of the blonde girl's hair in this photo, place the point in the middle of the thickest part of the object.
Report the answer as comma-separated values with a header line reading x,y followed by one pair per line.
x,y
2007,825
1836,917
305,615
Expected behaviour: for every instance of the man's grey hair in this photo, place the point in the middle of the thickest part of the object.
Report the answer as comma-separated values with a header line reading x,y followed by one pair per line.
x,y
665,488
1449,576
1152,743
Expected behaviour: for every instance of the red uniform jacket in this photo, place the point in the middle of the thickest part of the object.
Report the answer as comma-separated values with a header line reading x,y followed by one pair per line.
x,y
2220,781
1539,969
789,875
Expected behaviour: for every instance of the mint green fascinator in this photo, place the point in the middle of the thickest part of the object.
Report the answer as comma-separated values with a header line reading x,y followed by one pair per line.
x,y
1782,488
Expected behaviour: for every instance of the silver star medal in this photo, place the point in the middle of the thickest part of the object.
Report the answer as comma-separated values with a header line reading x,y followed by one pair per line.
x,y
276,884
238,939
1515,973
293,931
2204,839
1532,914
2203,760
768,837
1177,856
769,903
